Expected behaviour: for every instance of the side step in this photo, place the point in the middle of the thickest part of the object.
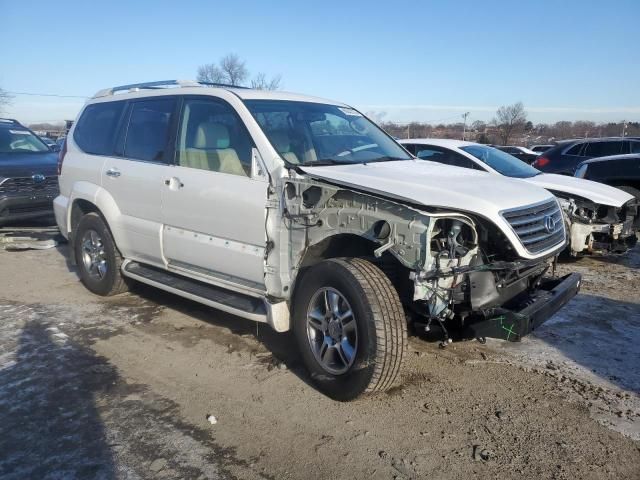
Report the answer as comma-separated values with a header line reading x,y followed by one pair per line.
x,y
231,302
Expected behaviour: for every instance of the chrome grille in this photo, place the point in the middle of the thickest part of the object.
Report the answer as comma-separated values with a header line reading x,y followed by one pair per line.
x,y
26,185
531,224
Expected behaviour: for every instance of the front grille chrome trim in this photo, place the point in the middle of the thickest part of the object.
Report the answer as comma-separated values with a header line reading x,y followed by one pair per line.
x,y
528,223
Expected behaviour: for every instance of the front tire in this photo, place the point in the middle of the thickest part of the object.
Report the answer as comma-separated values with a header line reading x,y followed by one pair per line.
x,y
97,257
350,328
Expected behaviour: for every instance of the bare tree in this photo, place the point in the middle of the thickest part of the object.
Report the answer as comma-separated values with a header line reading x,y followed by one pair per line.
x,y
509,120
210,73
260,82
5,99
233,71
479,126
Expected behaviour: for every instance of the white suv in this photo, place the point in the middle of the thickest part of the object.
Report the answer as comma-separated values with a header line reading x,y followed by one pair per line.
x,y
302,213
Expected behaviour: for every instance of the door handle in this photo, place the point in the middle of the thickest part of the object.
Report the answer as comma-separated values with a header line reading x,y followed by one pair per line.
x,y
113,172
173,183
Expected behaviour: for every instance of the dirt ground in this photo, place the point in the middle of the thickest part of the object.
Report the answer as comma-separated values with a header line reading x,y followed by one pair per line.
x,y
122,387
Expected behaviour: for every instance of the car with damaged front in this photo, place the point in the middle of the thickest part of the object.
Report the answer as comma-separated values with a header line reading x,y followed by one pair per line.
x,y
600,219
28,176
303,214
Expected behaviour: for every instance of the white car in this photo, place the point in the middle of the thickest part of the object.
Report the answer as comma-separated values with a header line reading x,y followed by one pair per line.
x,y
600,218
303,214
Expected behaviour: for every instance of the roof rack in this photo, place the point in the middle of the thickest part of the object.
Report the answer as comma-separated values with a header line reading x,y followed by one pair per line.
x,y
161,84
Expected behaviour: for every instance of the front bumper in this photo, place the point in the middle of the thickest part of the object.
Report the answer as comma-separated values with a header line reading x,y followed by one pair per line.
x,y
25,206
602,238
512,325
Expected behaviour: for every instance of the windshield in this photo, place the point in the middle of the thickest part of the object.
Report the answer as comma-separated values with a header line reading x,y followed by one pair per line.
x,y
306,133
501,162
17,140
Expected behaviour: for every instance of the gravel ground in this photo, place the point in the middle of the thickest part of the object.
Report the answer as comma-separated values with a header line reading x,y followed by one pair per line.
x,y
122,388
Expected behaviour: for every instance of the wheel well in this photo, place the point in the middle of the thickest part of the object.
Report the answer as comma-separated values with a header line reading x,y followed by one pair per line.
x,y
354,246
342,245
78,210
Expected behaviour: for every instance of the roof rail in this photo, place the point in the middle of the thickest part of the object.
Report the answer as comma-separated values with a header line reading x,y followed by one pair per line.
x,y
160,84
10,120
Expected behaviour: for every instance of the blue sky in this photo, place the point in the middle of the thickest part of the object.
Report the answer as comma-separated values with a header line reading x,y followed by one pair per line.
x,y
421,60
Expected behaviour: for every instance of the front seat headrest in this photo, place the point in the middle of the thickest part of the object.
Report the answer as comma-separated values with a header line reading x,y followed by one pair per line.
x,y
212,136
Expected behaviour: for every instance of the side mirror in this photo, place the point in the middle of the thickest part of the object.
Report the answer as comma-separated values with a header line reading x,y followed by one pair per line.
x,y
54,148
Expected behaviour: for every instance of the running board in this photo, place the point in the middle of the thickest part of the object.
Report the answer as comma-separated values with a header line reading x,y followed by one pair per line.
x,y
244,306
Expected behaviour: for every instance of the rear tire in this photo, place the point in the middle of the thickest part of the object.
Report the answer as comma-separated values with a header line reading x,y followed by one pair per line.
x,y
97,257
348,355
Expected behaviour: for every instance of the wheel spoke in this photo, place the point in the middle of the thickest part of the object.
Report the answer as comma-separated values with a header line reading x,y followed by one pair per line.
x,y
324,349
333,300
346,317
346,351
341,354
102,268
316,319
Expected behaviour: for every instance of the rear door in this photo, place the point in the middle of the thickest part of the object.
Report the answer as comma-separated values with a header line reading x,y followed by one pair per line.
x,y
134,177
213,204
603,148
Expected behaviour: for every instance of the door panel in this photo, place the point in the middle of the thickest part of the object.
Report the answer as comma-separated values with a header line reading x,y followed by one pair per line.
x,y
215,221
136,179
213,210
136,188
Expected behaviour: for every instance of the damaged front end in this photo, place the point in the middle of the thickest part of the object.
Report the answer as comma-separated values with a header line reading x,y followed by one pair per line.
x,y
599,229
473,286
452,268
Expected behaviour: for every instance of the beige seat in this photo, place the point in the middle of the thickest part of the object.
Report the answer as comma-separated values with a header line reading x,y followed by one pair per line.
x,y
211,151
282,144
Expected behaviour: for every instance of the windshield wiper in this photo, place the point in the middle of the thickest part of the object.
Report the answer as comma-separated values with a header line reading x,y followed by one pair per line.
x,y
335,161
385,159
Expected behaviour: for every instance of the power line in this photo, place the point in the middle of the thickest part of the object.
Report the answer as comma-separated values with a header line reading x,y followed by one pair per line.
x,y
31,94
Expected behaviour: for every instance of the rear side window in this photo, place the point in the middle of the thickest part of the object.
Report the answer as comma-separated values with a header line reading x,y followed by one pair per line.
x,y
603,149
410,147
96,129
635,147
510,150
447,157
575,150
148,131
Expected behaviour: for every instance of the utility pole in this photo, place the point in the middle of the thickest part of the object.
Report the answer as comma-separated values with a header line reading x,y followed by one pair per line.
x,y
464,124
624,128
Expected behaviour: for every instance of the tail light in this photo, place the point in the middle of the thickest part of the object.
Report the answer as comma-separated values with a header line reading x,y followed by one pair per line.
x,y
61,154
541,162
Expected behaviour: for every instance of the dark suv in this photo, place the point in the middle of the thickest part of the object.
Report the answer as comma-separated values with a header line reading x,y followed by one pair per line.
x,y
28,173
566,155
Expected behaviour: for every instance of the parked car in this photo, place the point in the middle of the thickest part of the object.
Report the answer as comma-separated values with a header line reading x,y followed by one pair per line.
x,y
28,178
540,148
301,213
599,218
566,155
621,171
521,153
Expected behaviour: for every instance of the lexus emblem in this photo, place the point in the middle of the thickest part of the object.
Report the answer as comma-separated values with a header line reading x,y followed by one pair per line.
x,y
549,224
38,178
